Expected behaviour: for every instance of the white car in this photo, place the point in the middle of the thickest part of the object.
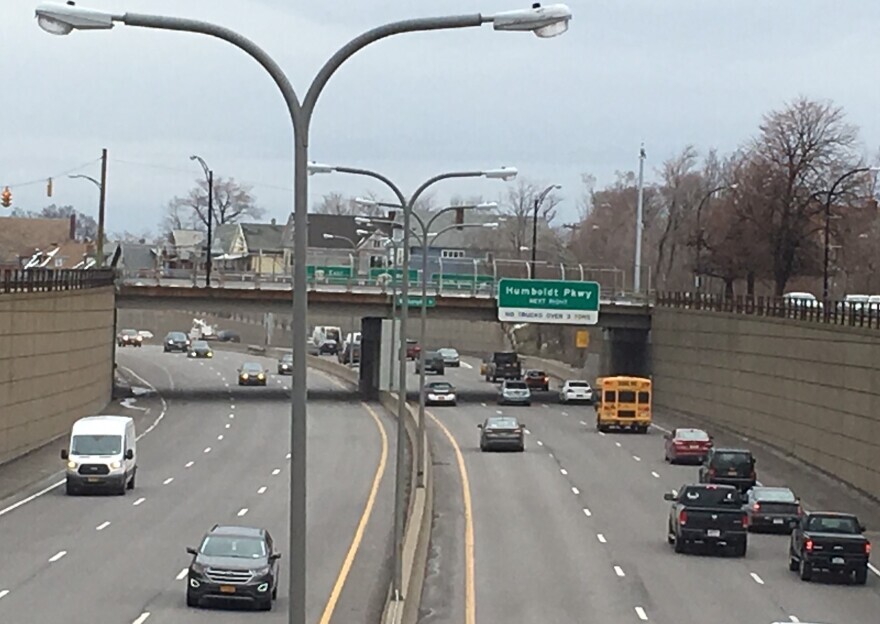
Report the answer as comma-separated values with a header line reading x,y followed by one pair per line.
x,y
575,390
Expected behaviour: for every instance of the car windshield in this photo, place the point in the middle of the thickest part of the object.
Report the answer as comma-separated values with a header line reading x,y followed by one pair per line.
x,y
536,373
432,354
129,332
829,524
250,367
287,357
774,495
233,546
96,445
448,352
731,460
516,385
502,423
578,384
691,434
709,496
442,387
176,336
505,358
200,344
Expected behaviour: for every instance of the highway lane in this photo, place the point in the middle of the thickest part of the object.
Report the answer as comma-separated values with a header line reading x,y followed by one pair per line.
x,y
223,460
619,480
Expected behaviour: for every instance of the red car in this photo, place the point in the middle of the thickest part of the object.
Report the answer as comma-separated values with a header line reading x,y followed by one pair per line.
x,y
537,380
687,444
413,349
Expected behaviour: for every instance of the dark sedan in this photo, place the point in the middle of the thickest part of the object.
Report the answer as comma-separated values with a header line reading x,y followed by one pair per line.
x,y
176,341
502,432
773,509
285,364
251,374
440,393
129,338
200,349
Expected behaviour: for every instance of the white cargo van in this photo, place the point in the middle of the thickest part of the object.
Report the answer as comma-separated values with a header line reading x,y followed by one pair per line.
x,y
102,454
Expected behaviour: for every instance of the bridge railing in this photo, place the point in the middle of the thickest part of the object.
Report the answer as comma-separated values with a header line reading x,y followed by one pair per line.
x,y
47,280
832,312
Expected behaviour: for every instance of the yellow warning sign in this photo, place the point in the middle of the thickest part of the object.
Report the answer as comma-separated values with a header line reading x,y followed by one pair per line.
x,y
583,339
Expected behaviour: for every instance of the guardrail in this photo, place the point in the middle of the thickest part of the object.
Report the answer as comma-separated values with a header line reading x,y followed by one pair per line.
x,y
47,280
836,312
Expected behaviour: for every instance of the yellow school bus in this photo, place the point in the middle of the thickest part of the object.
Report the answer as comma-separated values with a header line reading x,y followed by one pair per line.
x,y
623,403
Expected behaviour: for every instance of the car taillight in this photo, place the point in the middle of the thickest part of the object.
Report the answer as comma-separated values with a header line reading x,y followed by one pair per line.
x,y
682,517
808,545
867,548
752,475
800,510
756,507
711,472
745,520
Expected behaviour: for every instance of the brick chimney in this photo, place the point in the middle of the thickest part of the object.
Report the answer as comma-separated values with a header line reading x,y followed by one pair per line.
x,y
72,233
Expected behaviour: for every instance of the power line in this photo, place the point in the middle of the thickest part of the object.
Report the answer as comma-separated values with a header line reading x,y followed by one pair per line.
x,y
57,175
190,171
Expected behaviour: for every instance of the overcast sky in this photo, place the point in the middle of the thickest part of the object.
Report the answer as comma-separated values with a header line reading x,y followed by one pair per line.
x,y
667,72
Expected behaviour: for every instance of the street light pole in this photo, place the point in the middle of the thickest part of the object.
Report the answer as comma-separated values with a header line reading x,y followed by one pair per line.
x,y
538,201
637,269
209,174
828,201
102,200
62,19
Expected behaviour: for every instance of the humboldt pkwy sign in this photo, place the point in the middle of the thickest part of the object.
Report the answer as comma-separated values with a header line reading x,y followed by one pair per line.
x,y
548,301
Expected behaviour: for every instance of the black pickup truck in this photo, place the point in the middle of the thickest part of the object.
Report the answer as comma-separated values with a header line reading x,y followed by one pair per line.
x,y
504,365
707,514
830,542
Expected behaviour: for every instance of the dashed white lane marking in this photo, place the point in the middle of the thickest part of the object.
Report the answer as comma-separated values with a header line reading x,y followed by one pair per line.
x,y
228,425
188,464
637,458
227,385
287,456
466,365
102,526
563,471
262,490
550,454
168,480
142,618
757,578
4,593
540,443
232,415
602,433
545,405
618,444
565,413
619,571
575,491
655,475
182,574
498,411
232,406
641,613
793,618
587,512
207,449
57,556
659,428
242,511
482,405
139,501
220,437
601,538
277,471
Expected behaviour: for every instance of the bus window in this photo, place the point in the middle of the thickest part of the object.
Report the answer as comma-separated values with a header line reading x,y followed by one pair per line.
x,y
627,396
609,396
644,397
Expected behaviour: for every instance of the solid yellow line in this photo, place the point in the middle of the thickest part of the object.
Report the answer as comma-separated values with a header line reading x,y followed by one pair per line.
x,y
362,524
470,607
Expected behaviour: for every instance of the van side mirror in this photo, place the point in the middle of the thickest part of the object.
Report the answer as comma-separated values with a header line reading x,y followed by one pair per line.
x,y
274,556
479,426
64,454
192,551
129,454
862,527
669,496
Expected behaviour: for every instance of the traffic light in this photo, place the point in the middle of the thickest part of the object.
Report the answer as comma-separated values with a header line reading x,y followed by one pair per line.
x,y
6,197
49,187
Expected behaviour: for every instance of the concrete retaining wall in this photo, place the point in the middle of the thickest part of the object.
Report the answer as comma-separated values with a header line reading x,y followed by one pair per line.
x,y
810,390
56,364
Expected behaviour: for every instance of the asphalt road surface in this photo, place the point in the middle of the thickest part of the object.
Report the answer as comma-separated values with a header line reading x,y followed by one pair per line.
x,y
220,457
574,530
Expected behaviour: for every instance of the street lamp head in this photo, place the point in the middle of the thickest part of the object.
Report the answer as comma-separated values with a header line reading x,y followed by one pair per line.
x,y
328,236
320,168
875,169
363,201
545,22
360,232
62,19
503,173
486,206
363,220
491,226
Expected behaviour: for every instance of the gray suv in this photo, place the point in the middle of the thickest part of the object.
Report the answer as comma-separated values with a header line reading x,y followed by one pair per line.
x,y
236,564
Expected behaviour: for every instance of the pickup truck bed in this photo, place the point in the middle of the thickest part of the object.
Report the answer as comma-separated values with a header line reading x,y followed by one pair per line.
x,y
692,522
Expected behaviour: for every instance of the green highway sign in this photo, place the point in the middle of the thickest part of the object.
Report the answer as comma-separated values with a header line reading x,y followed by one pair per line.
x,y
397,274
548,301
313,271
460,280
416,302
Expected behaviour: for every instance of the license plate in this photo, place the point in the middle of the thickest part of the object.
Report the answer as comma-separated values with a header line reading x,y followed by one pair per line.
x,y
837,561
227,589
778,521
93,480
713,533
732,471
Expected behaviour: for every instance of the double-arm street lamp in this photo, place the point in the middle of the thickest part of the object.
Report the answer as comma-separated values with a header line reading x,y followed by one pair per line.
x,y
706,197
209,175
62,19
538,201
828,201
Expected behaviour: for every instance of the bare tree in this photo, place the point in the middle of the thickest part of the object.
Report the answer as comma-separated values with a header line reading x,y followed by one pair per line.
x,y
518,210
232,202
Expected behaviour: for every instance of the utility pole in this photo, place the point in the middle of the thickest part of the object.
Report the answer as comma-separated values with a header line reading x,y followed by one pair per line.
x,y
637,270
210,226
101,205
